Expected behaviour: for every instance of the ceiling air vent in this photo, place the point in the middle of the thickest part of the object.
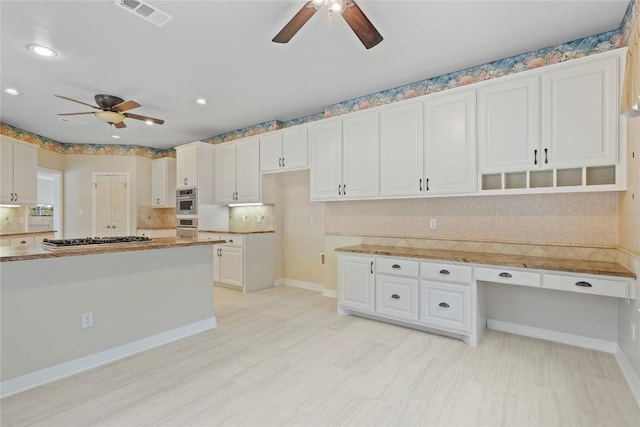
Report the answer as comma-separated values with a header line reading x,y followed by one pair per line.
x,y
145,11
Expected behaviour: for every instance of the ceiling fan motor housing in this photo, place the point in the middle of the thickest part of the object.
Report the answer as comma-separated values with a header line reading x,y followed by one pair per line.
x,y
107,102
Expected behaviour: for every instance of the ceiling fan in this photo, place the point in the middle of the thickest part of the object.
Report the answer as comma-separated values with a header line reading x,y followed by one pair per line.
x,y
111,109
349,10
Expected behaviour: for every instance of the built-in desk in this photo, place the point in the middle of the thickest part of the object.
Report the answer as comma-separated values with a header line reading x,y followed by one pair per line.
x,y
446,291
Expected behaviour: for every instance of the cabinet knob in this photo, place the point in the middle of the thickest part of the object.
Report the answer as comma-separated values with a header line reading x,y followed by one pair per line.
x,y
283,162
443,271
158,201
546,157
535,157
24,242
505,274
420,184
583,284
395,296
16,199
108,226
396,266
371,267
113,226
443,305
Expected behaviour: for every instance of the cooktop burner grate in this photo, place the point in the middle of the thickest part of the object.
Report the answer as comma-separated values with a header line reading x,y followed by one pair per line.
x,y
60,243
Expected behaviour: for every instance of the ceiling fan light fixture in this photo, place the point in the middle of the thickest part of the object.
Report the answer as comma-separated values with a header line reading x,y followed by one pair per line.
x,y
336,6
12,91
41,50
110,116
149,122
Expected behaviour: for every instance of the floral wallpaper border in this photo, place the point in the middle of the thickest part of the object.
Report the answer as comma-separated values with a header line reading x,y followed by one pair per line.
x,y
515,64
90,149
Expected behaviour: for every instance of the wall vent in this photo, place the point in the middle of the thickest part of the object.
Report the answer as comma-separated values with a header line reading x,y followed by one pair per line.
x,y
145,11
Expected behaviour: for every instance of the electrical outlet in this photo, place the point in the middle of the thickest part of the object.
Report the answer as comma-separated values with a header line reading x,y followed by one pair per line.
x,y
633,331
244,218
87,319
312,219
260,218
433,223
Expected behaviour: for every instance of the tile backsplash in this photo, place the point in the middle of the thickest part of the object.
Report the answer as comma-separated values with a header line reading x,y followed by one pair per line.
x,y
252,218
12,219
152,218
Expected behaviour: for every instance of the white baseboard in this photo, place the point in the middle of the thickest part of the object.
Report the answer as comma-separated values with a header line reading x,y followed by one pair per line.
x,y
330,293
629,374
47,375
555,336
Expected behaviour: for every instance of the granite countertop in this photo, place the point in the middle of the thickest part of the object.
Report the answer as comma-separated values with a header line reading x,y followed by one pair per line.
x,y
155,228
23,253
234,232
26,233
519,261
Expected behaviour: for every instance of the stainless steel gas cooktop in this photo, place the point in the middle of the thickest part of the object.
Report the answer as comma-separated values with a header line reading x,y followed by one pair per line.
x,y
63,243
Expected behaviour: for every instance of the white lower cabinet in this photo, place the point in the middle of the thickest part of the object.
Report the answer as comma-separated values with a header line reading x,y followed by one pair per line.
x,y
445,306
245,261
356,282
397,297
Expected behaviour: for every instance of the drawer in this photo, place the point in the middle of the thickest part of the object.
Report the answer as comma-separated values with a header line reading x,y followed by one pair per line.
x,y
39,238
586,285
511,277
205,235
233,240
22,241
397,267
397,297
445,306
445,272
5,242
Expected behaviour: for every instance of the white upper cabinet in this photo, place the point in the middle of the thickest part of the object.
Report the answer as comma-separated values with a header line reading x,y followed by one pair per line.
x,y
284,150
360,155
402,150
450,143
344,157
325,144
163,183
187,166
509,124
237,171
580,113
19,174
248,170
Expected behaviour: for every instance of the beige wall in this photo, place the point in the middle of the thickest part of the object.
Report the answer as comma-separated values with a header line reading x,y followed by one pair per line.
x,y
50,160
78,178
573,218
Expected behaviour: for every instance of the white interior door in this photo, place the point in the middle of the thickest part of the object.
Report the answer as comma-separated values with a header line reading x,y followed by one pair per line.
x,y
111,205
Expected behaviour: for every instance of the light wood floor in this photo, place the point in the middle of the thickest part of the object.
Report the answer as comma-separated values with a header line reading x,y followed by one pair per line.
x,y
283,357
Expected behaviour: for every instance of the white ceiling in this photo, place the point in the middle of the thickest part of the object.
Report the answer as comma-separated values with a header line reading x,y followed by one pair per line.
x,y
222,50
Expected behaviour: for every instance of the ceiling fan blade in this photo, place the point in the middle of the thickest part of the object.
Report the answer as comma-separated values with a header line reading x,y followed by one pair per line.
x,y
120,125
143,118
295,24
79,102
126,105
361,25
75,114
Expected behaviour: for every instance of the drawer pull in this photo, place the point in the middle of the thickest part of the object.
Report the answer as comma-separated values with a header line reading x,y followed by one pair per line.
x,y
371,267
444,305
505,274
24,242
395,296
584,284
444,272
396,266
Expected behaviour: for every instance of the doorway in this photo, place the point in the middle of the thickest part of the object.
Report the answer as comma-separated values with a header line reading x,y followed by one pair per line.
x,y
110,204
49,203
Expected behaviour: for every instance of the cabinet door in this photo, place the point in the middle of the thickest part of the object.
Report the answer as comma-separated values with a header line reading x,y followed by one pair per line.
x,y
25,173
509,125
271,152
294,148
225,173
187,167
248,170
231,266
397,297
356,283
6,171
159,179
450,144
360,155
580,107
326,160
401,150
217,256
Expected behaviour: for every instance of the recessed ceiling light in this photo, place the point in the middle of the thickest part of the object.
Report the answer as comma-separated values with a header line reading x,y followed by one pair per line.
x,y
115,136
41,50
201,101
12,91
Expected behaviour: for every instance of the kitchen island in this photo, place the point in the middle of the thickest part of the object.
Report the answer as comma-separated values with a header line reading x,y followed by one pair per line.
x,y
68,310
